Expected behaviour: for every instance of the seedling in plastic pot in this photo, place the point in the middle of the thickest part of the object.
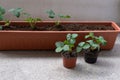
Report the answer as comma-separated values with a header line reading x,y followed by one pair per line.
x,y
95,41
92,43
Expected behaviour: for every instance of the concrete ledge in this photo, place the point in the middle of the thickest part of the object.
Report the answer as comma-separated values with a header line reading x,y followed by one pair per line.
x,y
47,65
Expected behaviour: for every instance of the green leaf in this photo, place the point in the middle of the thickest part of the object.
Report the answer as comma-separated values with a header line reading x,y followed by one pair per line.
x,y
94,46
38,19
104,43
61,16
74,35
59,44
2,10
86,46
72,41
68,36
29,19
51,14
102,40
64,16
87,36
91,34
78,49
32,21
11,10
58,49
90,42
71,45
66,42
1,27
66,48
81,44
16,12
1,17
68,16
7,22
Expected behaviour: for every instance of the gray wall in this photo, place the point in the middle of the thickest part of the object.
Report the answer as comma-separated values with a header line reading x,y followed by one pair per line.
x,y
83,10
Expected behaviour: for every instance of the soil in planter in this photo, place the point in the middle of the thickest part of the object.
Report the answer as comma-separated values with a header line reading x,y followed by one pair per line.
x,y
65,27
69,54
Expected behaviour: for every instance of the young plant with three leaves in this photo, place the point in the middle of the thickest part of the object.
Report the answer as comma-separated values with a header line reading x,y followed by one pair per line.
x,y
20,12
92,43
52,15
67,45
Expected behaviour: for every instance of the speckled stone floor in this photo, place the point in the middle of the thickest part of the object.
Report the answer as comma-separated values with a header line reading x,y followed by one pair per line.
x,y
47,65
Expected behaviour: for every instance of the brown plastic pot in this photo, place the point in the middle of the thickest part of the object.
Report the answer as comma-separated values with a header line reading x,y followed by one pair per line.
x,y
39,40
69,62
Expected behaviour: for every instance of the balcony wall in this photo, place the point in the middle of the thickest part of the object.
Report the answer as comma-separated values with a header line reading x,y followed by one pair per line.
x,y
82,10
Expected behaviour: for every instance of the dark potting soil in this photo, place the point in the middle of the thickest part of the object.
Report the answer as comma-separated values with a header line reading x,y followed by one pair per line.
x,y
65,27
69,54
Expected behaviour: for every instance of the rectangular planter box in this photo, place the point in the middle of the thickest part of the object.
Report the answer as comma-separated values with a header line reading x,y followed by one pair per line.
x,y
45,40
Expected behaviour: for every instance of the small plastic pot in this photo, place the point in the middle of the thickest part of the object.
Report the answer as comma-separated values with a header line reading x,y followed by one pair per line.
x,y
69,62
91,56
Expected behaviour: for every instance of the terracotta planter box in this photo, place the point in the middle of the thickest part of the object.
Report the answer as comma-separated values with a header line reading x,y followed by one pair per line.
x,y
45,40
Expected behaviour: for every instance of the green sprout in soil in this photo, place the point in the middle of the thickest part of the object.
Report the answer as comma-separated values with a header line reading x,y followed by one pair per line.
x,y
20,12
52,15
7,23
32,22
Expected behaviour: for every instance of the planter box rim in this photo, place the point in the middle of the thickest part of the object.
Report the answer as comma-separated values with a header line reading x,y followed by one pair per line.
x,y
113,24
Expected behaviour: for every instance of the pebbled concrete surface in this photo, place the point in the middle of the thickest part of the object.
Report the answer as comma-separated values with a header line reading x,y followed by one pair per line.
x,y
47,65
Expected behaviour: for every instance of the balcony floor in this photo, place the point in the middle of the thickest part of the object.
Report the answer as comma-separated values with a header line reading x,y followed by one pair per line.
x,y
47,65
